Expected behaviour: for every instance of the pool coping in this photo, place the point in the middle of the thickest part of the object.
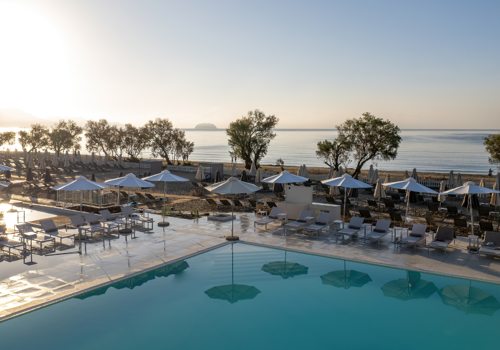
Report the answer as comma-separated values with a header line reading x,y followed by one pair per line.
x,y
202,251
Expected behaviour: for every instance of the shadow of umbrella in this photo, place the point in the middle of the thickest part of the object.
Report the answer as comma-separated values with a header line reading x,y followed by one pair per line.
x,y
232,292
470,300
285,269
411,287
140,279
346,278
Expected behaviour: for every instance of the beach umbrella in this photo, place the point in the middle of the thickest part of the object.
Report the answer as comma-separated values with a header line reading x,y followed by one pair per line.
x,y
331,173
165,176
305,172
6,168
93,177
55,161
15,155
371,171
374,177
442,188
387,179
200,176
340,172
92,159
7,174
472,202
253,169
29,175
79,156
61,157
299,171
232,292
451,179
468,299
244,176
258,176
66,160
232,186
482,184
414,174
4,184
25,158
345,181
459,180
47,177
284,178
217,177
346,278
285,268
46,155
233,170
405,176
42,165
409,288
74,158
129,180
379,190
120,160
7,153
495,197
409,185
120,174
470,188
30,165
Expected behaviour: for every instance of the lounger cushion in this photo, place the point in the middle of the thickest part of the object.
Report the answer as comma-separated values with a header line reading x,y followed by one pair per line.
x,y
320,223
379,230
354,227
273,217
416,235
51,230
300,220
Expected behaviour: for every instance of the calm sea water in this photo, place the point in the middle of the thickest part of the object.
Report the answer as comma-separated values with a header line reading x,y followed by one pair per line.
x,y
427,150
247,297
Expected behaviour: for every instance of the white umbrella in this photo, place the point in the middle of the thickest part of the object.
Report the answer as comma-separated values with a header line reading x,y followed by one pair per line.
x,y
25,158
299,172
410,185
334,191
106,159
258,176
233,170
340,172
460,182
405,176
330,173
379,190
79,156
370,172
4,184
482,184
495,198
470,188
55,161
61,157
30,162
387,178
415,175
200,176
165,176
42,164
305,173
345,181
451,180
129,180
232,186
284,178
253,169
374,177
7,153
66,160
442,188
46,155
6,168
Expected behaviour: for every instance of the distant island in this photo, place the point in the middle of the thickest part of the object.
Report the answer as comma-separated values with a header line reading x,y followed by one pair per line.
x,y
206,126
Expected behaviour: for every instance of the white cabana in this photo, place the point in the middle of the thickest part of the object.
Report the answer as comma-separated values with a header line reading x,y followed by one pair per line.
x,y
415,175
200,176
165,176
232,186
469,188
460,182
345,181
379,190
409,185
80,184
129,180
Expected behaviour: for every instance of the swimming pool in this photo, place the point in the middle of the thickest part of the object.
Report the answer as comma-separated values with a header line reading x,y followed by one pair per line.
x,y
242,296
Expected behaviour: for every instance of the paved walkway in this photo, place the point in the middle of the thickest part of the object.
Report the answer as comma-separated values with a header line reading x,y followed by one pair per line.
x,y
58,276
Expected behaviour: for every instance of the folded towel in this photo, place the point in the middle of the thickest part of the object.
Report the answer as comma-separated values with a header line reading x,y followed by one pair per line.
x,y
379,230
320,223
301,220
490,244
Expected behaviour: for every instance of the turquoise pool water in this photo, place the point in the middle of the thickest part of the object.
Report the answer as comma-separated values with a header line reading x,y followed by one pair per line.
x,y
246,297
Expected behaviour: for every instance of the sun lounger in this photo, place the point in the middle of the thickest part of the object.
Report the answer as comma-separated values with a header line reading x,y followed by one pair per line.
x,y
225,203
491,244
51,229
305,218
79,223
135,217
9,244
444,237
112,220
141,197
322,222
273,216
381,229
26,232
92,219
106,215
211,201
153,198
415,236
352,229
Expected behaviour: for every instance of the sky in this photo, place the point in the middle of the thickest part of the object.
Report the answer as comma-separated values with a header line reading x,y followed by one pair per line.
x,y
313,64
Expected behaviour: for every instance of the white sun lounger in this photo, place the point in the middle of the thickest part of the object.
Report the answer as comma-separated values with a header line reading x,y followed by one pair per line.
x,y
352,229
78,223
9,244
415,236
25,230
273,216
381,229
129,214
321,222
92,219
444,237
493,248
51,229
301,221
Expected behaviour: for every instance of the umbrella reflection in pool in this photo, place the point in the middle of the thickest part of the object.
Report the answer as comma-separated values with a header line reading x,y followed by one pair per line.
x,y
411,287
470,300
346,278
285,268
232,292
140,279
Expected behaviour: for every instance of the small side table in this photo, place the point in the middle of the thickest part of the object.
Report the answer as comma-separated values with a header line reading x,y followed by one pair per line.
x,y
283,217
262,213
365,226
473,246
338,225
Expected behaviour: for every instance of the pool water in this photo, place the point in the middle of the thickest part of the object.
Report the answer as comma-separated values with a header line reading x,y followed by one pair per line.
x,y
247,297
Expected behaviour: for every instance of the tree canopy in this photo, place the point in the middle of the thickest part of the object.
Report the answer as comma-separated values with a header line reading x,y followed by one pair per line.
x,y
492,143
35,138
334,153
250,136
135,140
60,140
99,136
166,141
369,138
73,130
7,138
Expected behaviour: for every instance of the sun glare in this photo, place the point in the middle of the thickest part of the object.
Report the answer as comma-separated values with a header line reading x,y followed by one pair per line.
x,y
33,71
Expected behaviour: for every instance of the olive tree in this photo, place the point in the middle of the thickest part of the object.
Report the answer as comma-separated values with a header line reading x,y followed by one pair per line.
x,y
135,140
7,138
99,135
35,138
492,143
334,153
60,140
165,139
75,131
250,136
369,138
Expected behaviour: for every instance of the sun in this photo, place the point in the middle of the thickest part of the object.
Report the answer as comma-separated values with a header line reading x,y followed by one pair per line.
x,y
33,71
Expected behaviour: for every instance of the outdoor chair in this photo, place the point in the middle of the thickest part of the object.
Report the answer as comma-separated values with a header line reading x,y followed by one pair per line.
x,y
435,199
195,184
444,237
51,229
225,203
415,236
491,244
389,205
126,195
369,217
381,229
352,229
79,223
484,213
433,208
322,222
112,222
273,216
397,220
279,195
212,202
395,197
106,214
372,203
347,213
431,223
330,199
141,197
253,203
452,211
265,187
145,221
486,226
461,225
9,244
420,198
303,220
271,204
153,198
92,219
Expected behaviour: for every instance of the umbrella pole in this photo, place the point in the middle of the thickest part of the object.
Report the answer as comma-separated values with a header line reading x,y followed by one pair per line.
x,y
79,229
471,213
164,197
345,200
232,218
407,203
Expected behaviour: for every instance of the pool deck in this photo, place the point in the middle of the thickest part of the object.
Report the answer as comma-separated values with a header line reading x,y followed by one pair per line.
x,y
24,287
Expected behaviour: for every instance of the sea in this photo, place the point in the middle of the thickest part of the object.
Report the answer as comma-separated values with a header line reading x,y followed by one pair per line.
x,y
426,150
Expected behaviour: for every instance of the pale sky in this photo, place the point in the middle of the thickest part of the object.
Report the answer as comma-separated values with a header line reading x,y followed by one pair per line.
x,y
421,64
